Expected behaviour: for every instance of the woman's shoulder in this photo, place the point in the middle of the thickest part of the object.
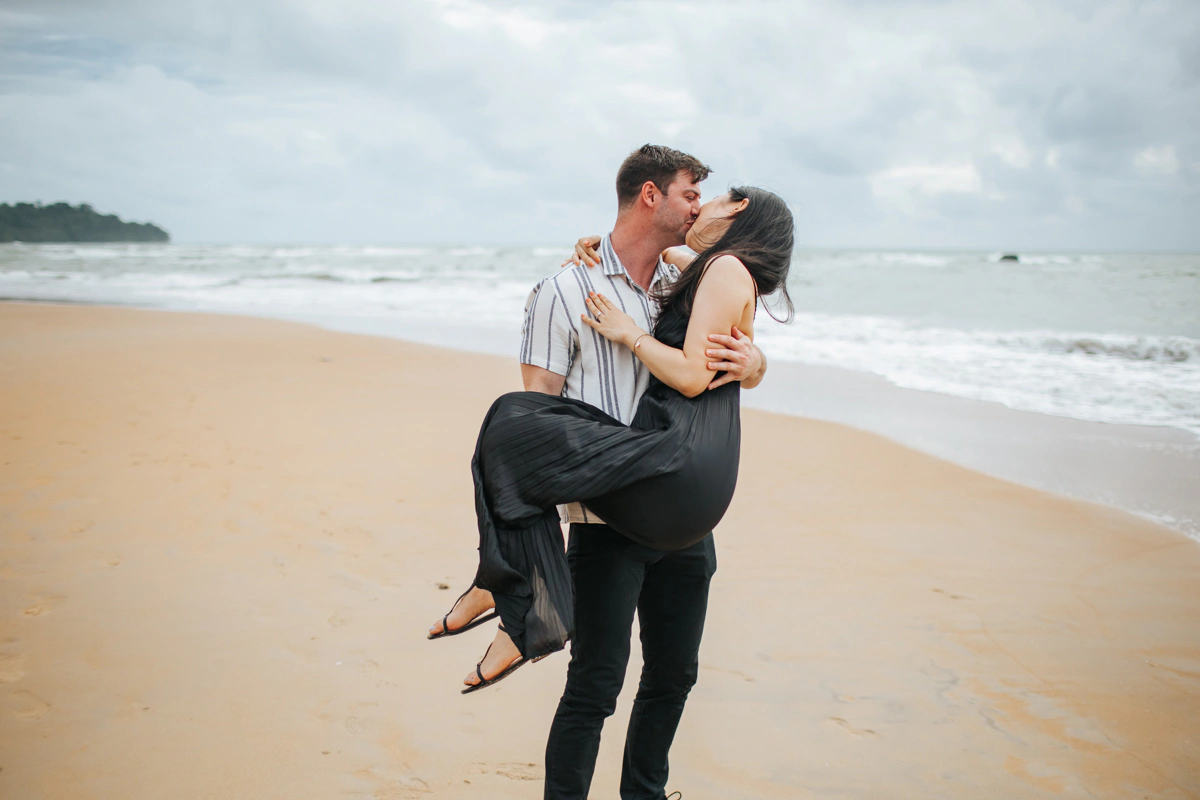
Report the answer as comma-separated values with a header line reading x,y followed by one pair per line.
x,y
729,270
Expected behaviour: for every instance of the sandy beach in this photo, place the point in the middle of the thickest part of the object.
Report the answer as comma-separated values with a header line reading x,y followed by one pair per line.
x,y
224,538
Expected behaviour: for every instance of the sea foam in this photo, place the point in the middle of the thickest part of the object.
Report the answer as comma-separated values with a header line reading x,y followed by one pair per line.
x,y
1095,337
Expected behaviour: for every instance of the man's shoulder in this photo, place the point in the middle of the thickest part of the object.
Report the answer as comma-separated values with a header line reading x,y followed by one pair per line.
x,y
566,282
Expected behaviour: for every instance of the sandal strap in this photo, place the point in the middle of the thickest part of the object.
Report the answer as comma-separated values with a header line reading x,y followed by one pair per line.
x,y
479,666
460,599
446,619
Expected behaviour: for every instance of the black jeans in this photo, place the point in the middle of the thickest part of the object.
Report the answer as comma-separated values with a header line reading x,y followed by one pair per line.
x,y
613,576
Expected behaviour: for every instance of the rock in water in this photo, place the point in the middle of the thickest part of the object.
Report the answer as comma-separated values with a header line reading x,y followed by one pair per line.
x,y
1009,257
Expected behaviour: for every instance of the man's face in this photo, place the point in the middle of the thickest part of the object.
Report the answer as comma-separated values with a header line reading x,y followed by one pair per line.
x,y
679,207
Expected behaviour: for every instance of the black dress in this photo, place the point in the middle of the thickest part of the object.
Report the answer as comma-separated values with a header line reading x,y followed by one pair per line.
x,y
664,481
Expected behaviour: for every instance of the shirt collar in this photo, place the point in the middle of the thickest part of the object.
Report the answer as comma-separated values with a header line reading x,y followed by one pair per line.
x,y
612,266
665,273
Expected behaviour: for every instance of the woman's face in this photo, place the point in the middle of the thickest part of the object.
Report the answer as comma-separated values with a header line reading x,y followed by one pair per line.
x,y
714,219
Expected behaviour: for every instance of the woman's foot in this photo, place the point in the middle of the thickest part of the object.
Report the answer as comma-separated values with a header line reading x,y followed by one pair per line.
x,y
469,607
501,655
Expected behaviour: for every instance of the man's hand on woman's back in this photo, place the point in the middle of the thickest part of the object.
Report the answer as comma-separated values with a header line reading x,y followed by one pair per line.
x,y
738,357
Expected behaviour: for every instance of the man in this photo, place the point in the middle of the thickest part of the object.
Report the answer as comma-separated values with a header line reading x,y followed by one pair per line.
x,y
658,200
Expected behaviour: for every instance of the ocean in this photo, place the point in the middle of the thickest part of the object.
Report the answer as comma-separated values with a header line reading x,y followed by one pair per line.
x,y
1098,337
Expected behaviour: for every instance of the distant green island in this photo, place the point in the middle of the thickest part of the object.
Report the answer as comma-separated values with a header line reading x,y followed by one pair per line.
x,y
62,222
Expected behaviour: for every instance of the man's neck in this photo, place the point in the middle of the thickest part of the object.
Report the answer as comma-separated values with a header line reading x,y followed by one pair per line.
x,y
638,245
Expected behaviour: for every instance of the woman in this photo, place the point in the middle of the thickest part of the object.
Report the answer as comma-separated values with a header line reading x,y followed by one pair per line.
x,y
663,481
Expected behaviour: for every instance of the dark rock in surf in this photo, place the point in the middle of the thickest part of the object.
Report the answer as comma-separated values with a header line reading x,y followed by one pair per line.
x,y
1009,257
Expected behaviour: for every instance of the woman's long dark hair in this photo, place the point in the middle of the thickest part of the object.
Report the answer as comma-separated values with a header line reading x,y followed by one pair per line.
x,y
761,236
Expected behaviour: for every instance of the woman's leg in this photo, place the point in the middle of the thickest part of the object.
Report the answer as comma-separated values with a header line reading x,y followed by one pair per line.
x,y
500,655
471,606
535,451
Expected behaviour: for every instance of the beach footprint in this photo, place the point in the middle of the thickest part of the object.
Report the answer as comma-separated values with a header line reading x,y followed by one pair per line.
x,y
395,782
12,667
42,605
514,771
735,673
362,715
859,733
29,706
76,532
520,772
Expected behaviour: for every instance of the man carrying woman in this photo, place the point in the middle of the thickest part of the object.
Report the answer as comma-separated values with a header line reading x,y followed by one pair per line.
x,y
638,419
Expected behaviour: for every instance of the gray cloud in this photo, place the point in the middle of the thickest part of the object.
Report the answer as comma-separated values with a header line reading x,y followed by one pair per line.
x,y
985,124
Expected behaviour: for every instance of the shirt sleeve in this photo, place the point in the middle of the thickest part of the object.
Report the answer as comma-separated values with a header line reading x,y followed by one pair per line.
x,y
548,339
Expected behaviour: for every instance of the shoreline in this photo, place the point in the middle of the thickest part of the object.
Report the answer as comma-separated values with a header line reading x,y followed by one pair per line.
x,y
224,538
1150,471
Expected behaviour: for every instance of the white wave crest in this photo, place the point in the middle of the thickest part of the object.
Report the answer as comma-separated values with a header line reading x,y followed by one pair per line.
x,y
1100,377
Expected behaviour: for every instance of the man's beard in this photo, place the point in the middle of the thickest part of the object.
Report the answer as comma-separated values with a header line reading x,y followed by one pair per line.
x,y
676,227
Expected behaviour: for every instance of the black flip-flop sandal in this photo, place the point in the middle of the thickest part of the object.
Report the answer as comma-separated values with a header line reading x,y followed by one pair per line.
x,y
472,624
510,669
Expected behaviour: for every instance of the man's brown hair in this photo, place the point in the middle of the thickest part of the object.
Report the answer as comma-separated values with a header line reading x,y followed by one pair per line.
x,y
652,162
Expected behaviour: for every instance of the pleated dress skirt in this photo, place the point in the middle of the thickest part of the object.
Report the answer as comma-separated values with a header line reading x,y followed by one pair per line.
x,y
664,481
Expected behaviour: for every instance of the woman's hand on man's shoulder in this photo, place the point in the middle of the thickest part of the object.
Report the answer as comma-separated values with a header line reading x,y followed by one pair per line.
x,y
585,252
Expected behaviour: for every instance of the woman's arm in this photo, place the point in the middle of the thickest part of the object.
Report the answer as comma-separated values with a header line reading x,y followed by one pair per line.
x,y
585,253
681,257
722,298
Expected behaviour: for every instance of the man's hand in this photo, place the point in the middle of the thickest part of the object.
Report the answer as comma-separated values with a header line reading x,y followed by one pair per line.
x,y
738,357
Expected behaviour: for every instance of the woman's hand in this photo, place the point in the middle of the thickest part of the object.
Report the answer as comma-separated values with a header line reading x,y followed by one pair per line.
x,y
585,252
612,323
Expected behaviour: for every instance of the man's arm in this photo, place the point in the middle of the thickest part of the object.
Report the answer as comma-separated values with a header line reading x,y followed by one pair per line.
x,y
547,342
739,357
541,380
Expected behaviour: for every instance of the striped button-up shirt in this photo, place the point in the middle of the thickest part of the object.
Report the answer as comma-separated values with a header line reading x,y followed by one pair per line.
x,y
597,371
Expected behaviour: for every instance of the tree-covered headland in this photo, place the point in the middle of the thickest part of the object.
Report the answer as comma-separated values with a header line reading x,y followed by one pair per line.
x,y
62,222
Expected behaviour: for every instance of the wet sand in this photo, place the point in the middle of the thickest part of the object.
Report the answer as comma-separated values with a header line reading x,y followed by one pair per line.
x,y
224,537
1152,471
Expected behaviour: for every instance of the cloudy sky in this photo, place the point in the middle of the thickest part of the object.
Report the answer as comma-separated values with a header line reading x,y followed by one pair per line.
x,y
1052,125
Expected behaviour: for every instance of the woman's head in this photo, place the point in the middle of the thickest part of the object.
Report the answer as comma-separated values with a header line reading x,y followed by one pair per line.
x,y
714,219
752,224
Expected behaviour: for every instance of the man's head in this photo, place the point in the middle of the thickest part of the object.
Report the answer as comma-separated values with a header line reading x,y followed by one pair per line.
x,y
662,185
